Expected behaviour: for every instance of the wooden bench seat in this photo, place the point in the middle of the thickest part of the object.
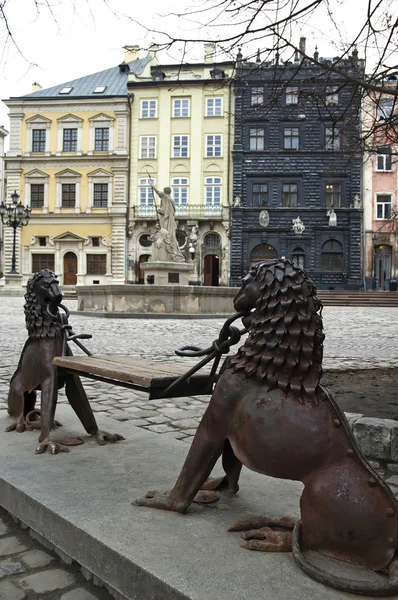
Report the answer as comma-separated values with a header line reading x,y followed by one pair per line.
x,y
137,373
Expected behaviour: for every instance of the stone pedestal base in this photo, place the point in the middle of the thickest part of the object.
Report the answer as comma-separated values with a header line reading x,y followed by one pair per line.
x,y
166,273
12,285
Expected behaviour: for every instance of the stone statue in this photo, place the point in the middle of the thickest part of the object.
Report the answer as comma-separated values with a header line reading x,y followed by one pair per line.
x,y
237,201
165,239
357,202
332,217
270,412
298,226
263,218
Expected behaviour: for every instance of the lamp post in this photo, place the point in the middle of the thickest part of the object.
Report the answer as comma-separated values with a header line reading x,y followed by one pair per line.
x,y
14,215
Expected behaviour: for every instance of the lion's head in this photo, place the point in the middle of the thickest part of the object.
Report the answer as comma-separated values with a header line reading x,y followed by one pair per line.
x,y
43,296
285,344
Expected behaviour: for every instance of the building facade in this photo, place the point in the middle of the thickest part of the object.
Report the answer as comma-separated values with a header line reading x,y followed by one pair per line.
x,y
68,160
181,137
380,185
297,167
3,135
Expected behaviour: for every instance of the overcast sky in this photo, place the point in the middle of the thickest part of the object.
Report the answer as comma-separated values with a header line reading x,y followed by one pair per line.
x,y
86,36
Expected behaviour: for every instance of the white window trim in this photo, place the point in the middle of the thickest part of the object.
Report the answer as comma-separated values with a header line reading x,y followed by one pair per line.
x,y
179,135
155,146
139,205
180,186
174,116
101,121
222,106
384,155
99,176
69,122
36,177
37,123
292,94
213,156
156,107
376,204
67,177
213,184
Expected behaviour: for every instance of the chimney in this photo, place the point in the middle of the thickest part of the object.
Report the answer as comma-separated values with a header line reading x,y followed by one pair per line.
x,y
152,52
36,87
131,53
302,46
210,52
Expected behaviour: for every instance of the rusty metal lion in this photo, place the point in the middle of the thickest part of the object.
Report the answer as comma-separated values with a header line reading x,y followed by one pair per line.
x,y
270,413
35,371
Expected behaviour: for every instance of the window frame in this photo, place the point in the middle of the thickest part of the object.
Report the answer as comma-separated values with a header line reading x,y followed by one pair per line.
x,y
102,140
292,95
46,260
178,149
332,193
214,186
257,139
258,194
104,197
296,193
93,261
332,141
257,95
330,252
386,159
70,193
291,138
148,148
215,111
383,205
42,135
214,145
383,114
180,194
73,141
40,196
149,101
174,111
146,208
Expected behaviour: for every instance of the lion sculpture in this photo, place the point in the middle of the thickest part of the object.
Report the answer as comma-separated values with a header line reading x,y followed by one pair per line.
x,y
270,413
35,370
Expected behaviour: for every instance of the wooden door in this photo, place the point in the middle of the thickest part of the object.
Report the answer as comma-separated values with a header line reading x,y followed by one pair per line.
x,y
211,270
70,268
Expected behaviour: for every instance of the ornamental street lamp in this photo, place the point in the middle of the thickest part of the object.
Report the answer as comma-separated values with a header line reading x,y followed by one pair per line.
x,y
14,215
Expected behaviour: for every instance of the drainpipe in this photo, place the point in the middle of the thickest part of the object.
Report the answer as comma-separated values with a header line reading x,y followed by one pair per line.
x,y
362,196
228,180
130,100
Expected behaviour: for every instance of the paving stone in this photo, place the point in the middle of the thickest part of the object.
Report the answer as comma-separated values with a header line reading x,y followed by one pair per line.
x,y
11,545
175,435
158,420
138,422
78,594
3,527
10,568
163,428
9,591
34,559
374,437
393,481
138,413
47,581
175,414
392,467
186,423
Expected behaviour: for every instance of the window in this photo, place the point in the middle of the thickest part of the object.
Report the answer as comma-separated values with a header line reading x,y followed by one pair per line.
x,y
333,195
145,240
69,140
37,195
213,195
289,195
181,107
332,138
149,109
332,95
384,159
256,138
100,89
291,138
298,258
213,107
332,256
95,242
385,107
260,194
68,198
42,261
180,146
148,146
145,195
100,195
38,140
214,145
42,241
101,140
96,264
179,190
256,96
66,90
212,240
292,95
383,206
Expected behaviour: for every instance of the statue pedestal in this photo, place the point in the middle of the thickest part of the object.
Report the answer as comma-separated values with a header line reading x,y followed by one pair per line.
x,y
12,285
166,273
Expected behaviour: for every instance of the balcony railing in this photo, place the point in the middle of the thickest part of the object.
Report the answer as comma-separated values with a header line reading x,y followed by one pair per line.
x,y
197,211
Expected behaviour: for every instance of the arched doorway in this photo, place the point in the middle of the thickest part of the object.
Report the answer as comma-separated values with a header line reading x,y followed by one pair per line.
x,y
211,269
141,273
262,252
70,268
383,254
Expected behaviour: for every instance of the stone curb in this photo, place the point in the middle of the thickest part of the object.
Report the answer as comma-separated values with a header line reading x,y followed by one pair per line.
x,y
377,438
130,315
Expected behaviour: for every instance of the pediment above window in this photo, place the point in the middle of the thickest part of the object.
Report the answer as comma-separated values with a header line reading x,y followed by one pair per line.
x,y
38,119
68,236
101,117
213,167
70,119
100,173
68,173
36,174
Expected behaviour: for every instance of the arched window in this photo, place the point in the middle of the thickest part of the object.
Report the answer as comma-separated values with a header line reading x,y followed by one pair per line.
x,y
298,255
144,240
332,256
212,240
181,238
263,252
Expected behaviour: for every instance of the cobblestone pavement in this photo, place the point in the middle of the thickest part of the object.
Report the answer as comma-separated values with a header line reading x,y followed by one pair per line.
x,y
355,338
28,572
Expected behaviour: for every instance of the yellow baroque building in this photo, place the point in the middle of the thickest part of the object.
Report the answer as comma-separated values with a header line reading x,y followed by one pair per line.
x,y
182,137
68,160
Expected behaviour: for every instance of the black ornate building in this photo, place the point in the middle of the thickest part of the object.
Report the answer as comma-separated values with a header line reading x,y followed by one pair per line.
x,y
297,162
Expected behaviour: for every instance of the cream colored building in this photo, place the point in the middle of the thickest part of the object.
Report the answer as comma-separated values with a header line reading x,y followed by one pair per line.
x,y
3,135
181,137
69,161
